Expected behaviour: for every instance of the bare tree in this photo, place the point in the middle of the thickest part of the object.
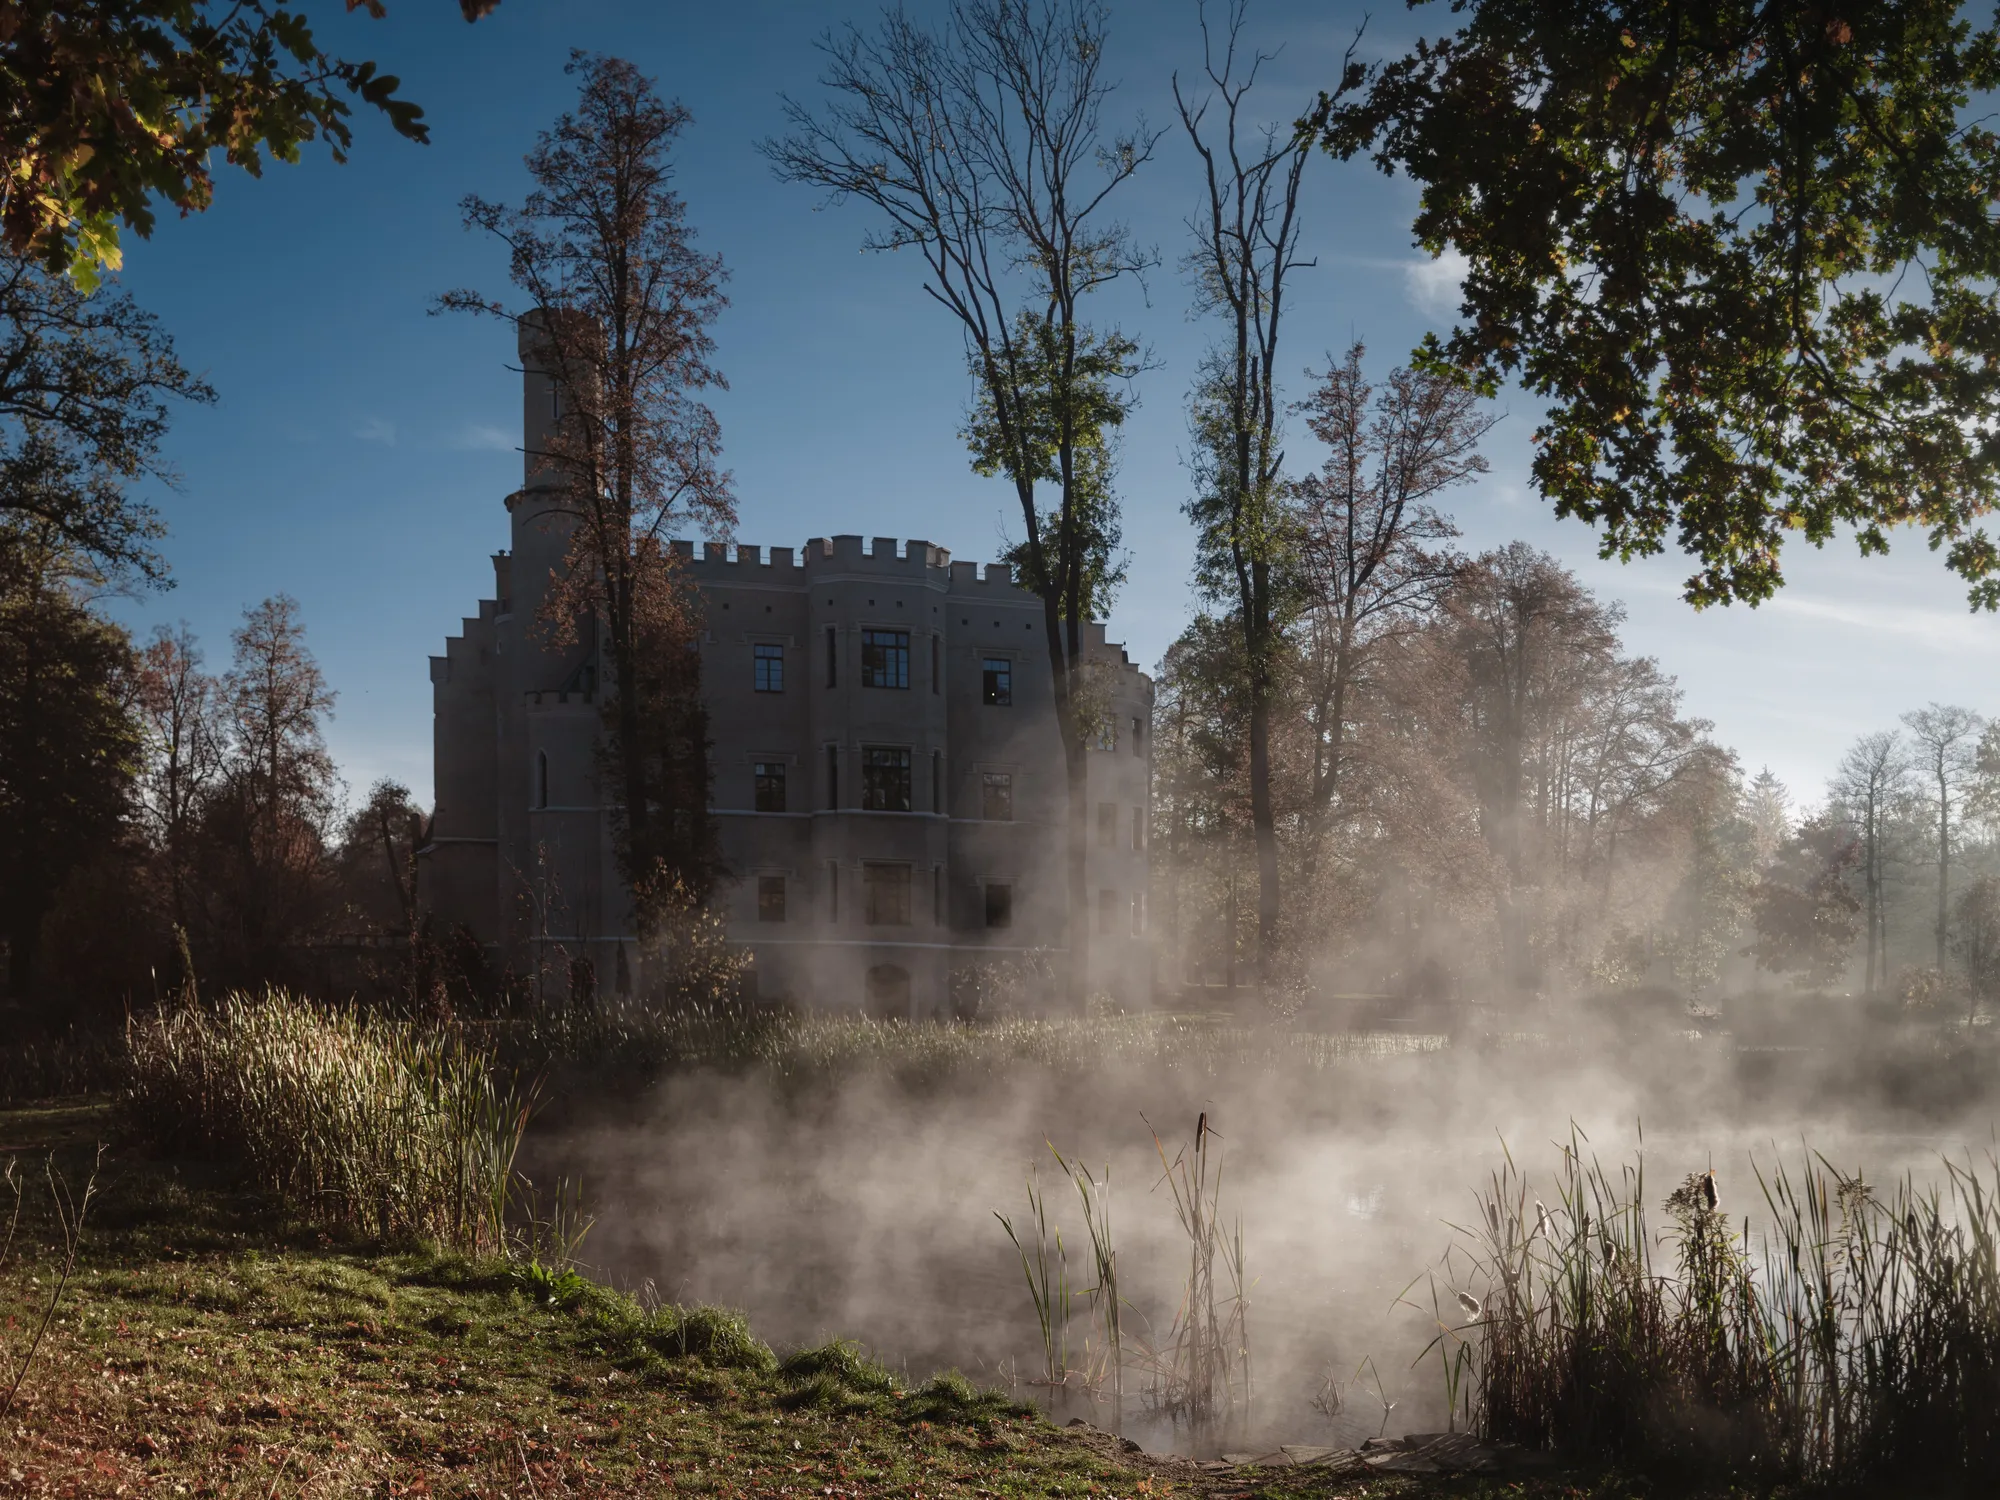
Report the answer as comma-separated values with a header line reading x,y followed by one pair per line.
x,y
1246,243
1873,778
620,307
1372,551
1946,743
982,146
180,713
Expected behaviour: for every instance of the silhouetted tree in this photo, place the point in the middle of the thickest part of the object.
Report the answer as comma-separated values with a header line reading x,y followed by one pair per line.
x,y
69,743
1872,781
621,303
1803,912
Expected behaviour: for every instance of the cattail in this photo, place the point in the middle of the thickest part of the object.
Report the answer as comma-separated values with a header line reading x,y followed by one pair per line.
x,y
1470,1304
1708,1195
1493,1217
1541,1218
1604,1249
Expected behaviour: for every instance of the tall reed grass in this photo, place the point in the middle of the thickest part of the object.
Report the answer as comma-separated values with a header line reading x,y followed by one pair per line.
x,y
1837,1332
363,1122
804,1047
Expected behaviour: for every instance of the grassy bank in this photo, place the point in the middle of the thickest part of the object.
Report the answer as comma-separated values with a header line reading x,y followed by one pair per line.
x,y
210,1344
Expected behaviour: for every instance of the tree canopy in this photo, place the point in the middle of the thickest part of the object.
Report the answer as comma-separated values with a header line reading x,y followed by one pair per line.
x,y
113,103
1746,251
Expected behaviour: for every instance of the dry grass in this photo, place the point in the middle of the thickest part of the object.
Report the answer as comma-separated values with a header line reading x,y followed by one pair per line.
x,y
1832,1333
362,1122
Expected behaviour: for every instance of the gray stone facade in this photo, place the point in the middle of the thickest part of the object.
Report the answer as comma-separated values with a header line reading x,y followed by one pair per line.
x,y
888,783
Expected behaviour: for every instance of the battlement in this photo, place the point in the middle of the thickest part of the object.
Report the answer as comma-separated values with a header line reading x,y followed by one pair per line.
x,y
882,554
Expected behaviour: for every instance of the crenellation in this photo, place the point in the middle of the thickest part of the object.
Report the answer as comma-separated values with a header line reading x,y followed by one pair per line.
x,y
781,557
999,573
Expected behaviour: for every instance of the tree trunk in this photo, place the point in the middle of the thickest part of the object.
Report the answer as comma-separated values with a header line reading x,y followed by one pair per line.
x,y
1944,865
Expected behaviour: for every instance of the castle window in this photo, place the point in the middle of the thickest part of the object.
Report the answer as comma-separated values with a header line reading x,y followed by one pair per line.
x,y
770,668
885,658
1107,734
832,656
885,895
999,904
1138,735
1107,825
997,681
1138,828
770,898
885,778
1107,911
833,776
937,665
770,785
541,778
937,781
996,796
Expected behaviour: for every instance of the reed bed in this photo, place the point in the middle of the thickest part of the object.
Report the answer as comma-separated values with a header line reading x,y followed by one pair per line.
x,y
362,1122
1836,1333
795,1046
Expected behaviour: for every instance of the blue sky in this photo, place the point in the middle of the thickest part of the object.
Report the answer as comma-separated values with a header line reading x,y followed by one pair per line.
x,y
361,449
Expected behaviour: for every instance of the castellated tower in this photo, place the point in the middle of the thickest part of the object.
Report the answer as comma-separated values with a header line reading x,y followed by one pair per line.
x,y
888,783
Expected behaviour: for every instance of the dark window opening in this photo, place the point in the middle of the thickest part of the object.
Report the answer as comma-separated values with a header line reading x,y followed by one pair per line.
x,y
833,890
997,681
770,669
885,658
541,778
937,665
1107,825
770,898
885,779
999,904
1138,736
833,776
885,895
1138,828
832,656
770,785
996,796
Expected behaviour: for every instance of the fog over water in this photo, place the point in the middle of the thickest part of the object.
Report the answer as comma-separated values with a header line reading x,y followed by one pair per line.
x,y
866,1210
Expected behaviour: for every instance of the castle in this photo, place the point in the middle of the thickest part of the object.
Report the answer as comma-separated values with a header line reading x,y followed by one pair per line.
x,y
887,779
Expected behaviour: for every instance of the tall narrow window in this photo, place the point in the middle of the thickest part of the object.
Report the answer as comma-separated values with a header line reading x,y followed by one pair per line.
x,y
833,890
1138,828
885,894
937,666
937,781
770,898
832,657
541,778
1107,911
885,658
1107,825
770,669
770,785
937,895
999,904
885,778
996,681
833,776
996,796
1138,734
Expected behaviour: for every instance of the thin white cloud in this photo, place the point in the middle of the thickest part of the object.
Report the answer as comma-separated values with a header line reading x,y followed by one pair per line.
x,y
1956,630
483,437
377,430
1433,283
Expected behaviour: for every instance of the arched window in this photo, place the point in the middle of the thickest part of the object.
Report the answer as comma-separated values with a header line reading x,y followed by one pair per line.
x,y
541,778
